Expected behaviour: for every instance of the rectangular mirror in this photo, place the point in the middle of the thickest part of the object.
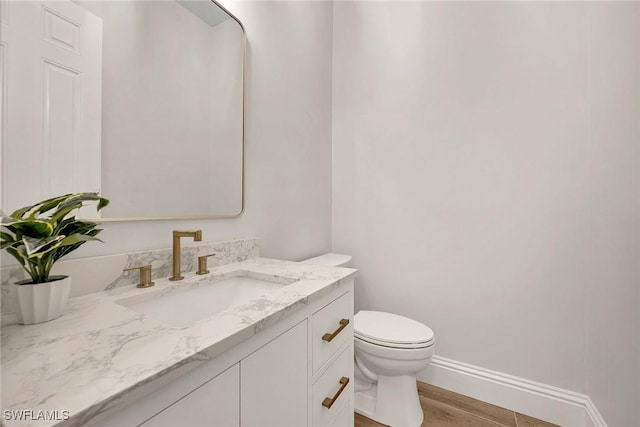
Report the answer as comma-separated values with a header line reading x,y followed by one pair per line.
x,y
140,100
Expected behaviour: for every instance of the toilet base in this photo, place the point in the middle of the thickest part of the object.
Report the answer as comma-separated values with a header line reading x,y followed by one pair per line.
x,y
391,400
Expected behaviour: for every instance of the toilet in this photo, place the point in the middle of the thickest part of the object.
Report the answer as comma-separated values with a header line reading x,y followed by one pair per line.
x,y
390,350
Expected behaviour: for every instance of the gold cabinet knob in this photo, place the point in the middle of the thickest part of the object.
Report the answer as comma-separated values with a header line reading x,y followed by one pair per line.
x,y
145,276
202,264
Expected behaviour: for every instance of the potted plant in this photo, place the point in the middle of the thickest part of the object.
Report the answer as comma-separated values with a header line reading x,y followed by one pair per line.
x,y
38,236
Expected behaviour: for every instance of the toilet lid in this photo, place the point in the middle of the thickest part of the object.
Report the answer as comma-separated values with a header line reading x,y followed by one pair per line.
x,y
390,329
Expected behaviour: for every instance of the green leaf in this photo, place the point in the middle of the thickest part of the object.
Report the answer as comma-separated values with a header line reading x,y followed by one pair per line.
x,y
102,203
6,237
5,245
6,220
7,240
33,228
17,254
75,201
62,212
36,248
20,212
74,226
47,205
76,238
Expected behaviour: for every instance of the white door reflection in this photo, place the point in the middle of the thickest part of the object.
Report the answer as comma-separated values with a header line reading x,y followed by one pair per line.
x,y
51,139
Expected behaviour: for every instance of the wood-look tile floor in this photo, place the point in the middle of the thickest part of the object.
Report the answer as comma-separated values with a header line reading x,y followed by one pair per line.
x,y
445,408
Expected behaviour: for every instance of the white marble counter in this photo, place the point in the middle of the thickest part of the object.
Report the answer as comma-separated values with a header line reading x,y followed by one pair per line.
x,y
100,354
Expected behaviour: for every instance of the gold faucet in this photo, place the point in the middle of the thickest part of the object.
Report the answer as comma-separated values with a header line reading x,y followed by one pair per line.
x,y
197,236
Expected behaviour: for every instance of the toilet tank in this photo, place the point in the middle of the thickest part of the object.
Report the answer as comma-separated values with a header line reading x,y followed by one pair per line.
x,y
330,260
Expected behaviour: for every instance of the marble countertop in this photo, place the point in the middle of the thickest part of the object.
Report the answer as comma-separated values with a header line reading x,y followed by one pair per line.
x,y
99,353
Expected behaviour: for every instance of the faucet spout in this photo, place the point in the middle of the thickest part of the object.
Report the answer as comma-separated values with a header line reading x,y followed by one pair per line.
x,y
177,234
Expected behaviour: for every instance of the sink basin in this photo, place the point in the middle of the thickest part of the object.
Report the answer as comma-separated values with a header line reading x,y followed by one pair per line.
x,y
190,305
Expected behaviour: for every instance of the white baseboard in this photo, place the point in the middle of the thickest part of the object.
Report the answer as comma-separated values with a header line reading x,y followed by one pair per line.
x,y
594,418
542,401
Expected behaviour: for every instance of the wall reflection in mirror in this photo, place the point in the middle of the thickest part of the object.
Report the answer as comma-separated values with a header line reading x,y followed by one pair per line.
x,y
140,100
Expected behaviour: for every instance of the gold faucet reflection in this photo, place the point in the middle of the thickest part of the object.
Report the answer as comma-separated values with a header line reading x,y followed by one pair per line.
x,y
177,234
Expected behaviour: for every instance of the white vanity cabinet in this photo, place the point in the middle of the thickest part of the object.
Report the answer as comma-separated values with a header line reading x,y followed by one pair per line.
x,y
279,377
216,402
273,382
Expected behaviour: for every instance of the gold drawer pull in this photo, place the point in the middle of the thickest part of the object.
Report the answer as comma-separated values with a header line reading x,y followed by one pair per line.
x,y
327,403
329,337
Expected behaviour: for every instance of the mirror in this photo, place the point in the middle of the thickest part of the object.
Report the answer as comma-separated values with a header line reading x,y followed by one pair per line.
x,y
140,100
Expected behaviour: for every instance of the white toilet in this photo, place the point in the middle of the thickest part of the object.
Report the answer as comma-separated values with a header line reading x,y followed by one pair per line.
x,y
389,351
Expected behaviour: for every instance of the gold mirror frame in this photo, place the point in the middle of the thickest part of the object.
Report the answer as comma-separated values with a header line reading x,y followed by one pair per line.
x,y
244,78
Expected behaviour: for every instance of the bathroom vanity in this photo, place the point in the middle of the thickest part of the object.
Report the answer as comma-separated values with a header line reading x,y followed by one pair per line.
x,y
130,357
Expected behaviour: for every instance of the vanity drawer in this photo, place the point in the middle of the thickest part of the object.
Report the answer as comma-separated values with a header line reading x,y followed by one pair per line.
x,y
335,389
332,326
345,417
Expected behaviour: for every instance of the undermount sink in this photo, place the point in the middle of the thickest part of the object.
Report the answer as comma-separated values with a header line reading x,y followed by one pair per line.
x,y
186,306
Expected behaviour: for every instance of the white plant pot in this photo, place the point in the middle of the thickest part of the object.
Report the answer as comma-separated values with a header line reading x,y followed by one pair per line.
x,y
42,302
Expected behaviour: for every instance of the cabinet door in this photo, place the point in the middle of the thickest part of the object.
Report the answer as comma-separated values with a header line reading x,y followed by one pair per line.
x,y
274,382
215,403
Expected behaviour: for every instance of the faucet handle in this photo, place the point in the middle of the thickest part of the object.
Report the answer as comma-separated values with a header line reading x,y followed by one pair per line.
x,y
202,264
145,275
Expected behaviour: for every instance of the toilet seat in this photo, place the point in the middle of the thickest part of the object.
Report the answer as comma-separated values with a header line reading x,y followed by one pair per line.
x,y
391,330
393,353
395,345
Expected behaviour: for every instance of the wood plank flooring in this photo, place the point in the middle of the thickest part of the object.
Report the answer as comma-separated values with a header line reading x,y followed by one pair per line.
x,y
443,408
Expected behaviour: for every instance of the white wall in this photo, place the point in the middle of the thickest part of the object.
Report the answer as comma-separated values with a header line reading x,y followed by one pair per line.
x,y
288,140
472,194
613,334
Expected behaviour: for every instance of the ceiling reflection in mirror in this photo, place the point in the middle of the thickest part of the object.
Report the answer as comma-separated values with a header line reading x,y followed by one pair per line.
x,y
140,100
